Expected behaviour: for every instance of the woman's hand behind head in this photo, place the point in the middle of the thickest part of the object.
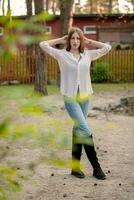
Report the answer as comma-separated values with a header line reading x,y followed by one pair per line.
x,y
64,39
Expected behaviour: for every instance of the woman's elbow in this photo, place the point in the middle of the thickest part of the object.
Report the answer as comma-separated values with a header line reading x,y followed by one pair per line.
x,y
41,44
109,47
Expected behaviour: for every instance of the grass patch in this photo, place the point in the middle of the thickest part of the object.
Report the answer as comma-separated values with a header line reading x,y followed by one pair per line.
x,y
21,91
15,96
112,86
12,97
15,92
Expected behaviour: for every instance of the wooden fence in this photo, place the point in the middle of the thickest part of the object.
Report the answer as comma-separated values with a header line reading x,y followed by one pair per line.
x,y
120,65
22,67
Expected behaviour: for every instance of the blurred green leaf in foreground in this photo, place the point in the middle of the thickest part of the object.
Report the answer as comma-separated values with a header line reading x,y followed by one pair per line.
x,y
18,32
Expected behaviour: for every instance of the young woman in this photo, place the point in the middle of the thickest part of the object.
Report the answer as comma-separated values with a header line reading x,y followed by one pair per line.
x,y
74,63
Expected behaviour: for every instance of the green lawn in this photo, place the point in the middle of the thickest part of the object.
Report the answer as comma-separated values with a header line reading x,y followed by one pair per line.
x,y
13,96
112,86
22,91
19,94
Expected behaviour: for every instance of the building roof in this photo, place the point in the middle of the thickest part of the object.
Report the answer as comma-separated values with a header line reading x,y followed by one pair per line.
x,y
93,15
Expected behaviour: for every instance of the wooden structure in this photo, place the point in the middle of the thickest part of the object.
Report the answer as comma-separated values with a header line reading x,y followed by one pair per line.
x,y
22,68
117,28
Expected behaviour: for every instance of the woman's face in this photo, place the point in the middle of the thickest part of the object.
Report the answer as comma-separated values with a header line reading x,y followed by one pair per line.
x,y
75,41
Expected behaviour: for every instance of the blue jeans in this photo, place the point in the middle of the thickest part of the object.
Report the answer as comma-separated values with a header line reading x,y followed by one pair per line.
x,y
78,109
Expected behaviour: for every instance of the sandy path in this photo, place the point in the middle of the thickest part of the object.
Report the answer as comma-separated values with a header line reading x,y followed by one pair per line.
x,y
114,139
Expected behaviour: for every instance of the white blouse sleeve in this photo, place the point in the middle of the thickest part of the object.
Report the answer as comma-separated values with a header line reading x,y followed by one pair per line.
x,y
97,53
50,50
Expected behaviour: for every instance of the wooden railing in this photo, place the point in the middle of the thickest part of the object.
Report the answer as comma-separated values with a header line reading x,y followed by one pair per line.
x,y
22,67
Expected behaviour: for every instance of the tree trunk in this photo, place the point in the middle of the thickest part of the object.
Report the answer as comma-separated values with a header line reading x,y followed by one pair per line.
x,y
132,2
40,85
110,6
66,18
66,15
41,72
91,6
29,48
29,8
53,7
9,11
47,5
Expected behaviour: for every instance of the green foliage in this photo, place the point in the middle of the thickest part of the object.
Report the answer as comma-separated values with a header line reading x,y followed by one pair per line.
x,y
100,72
45,131
18,32
34,108
52,138
8,181
4,128
120,65
122,45
46,134
2,194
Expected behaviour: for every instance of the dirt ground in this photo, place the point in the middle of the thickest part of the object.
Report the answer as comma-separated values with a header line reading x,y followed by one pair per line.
x,y
114,141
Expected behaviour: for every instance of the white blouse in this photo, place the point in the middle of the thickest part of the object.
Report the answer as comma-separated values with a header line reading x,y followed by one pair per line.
x,y
75,72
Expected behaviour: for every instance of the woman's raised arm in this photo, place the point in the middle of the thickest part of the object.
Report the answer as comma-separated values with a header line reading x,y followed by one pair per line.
x,y
47,46
103,48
